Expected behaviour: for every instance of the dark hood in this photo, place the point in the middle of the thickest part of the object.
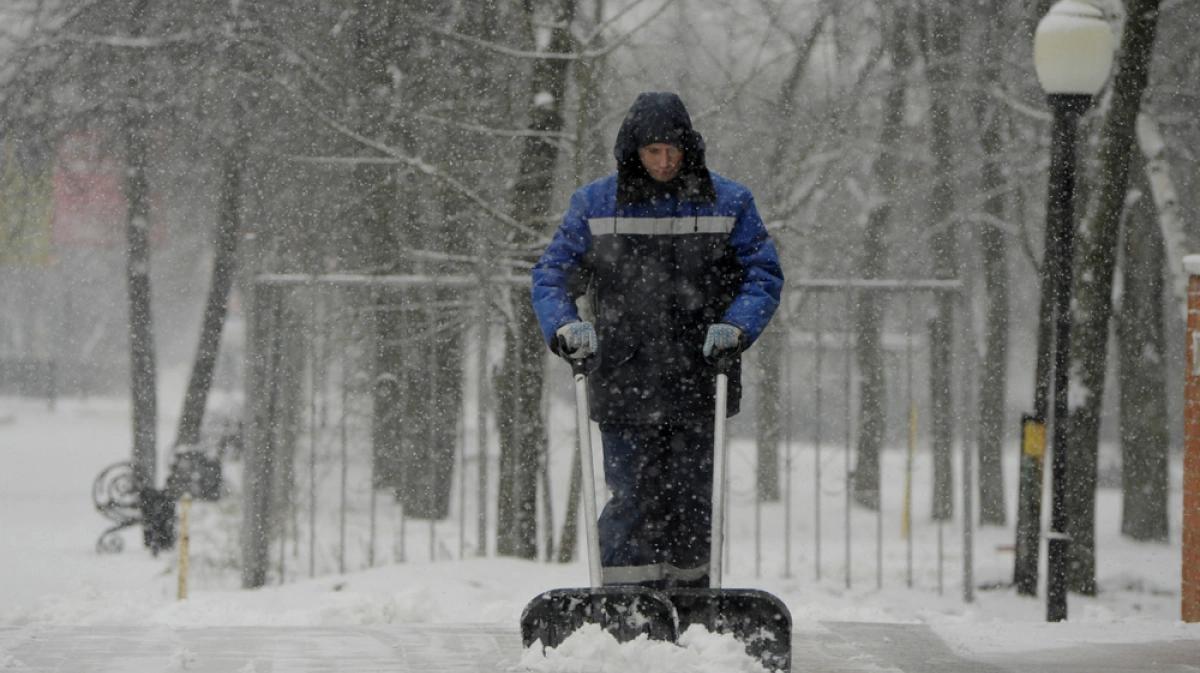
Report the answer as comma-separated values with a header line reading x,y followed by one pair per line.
x,y
660,118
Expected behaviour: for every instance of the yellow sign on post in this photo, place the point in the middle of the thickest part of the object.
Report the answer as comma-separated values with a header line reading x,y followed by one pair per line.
x,y
1034,441
906,520
26,211
185,508
1190,607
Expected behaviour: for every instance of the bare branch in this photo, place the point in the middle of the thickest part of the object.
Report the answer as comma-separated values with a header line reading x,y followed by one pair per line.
x,y
736,92
588,39
295,55
417,164
56,23
331,161
571,56
505,133
1166,203
1011,101
469,259
126,42
989,220
804,45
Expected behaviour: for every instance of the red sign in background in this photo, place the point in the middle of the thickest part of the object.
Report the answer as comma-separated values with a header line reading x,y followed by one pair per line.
x,y
90,207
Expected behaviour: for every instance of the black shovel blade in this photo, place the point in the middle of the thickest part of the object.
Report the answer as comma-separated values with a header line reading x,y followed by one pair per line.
x,y
759,619
624,611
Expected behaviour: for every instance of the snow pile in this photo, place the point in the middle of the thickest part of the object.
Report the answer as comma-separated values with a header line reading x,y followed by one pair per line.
x,y
591,649
181,659
9,661
85,605
89,605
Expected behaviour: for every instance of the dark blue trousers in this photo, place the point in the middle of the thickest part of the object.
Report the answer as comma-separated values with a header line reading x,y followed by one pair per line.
x,y
656,528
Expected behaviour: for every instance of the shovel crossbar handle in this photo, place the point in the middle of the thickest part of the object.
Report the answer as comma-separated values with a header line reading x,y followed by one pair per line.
x,y
583,424
719,462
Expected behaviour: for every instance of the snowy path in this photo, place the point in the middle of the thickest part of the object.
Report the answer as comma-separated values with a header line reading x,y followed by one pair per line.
x,y
830,647
432,649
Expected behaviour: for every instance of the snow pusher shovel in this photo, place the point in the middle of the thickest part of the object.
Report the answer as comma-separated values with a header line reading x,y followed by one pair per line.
x,y
758,619
624,611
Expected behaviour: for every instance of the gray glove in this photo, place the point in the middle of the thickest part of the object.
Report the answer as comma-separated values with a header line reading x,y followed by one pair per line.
x,y
576,340
723,341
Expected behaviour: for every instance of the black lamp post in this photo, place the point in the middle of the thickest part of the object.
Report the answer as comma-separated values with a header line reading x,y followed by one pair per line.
x,y
1073,54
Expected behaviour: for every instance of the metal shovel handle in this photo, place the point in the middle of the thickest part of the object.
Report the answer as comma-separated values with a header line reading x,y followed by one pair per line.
x,y
583,424
720,456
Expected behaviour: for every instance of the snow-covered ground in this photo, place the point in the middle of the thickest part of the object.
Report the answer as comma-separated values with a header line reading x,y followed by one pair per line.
x,y
51,575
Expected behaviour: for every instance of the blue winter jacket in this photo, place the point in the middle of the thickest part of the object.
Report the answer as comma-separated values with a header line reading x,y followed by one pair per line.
x,y
658,273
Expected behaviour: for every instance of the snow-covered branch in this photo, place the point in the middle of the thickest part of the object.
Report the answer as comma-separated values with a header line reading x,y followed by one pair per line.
x,y
429,255
1166,203
294,55
417,164
1012,102
621,13
506,133
570,56
127,42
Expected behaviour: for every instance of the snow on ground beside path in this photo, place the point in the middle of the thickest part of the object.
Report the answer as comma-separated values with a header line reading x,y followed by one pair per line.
x,y
997,637
50,573
472,591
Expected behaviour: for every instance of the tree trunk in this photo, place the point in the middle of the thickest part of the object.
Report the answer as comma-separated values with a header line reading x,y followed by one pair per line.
x,y
394,336
137,230
589,74
1031,479
767,408
872,416
570,530
1036,10
522,428
287,414
943,37
774,348
229,227
1166,205
263,335
1141,346
993,383
417,391
522,436
1093,289
484,23
589,165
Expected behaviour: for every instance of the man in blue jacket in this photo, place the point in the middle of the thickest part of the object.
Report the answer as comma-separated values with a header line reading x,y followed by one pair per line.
x,y
679,271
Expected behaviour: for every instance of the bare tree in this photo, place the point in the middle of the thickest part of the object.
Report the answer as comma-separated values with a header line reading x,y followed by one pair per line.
x,y
235,148
589,164
942,42
523,436
872,417
1096,258
993,383
1141,364
137,192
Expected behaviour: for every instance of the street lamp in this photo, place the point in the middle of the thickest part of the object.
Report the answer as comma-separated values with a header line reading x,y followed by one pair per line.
x,y
1073,54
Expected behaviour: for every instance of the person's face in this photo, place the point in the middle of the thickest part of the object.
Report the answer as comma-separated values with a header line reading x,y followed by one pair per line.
x,y
661,160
